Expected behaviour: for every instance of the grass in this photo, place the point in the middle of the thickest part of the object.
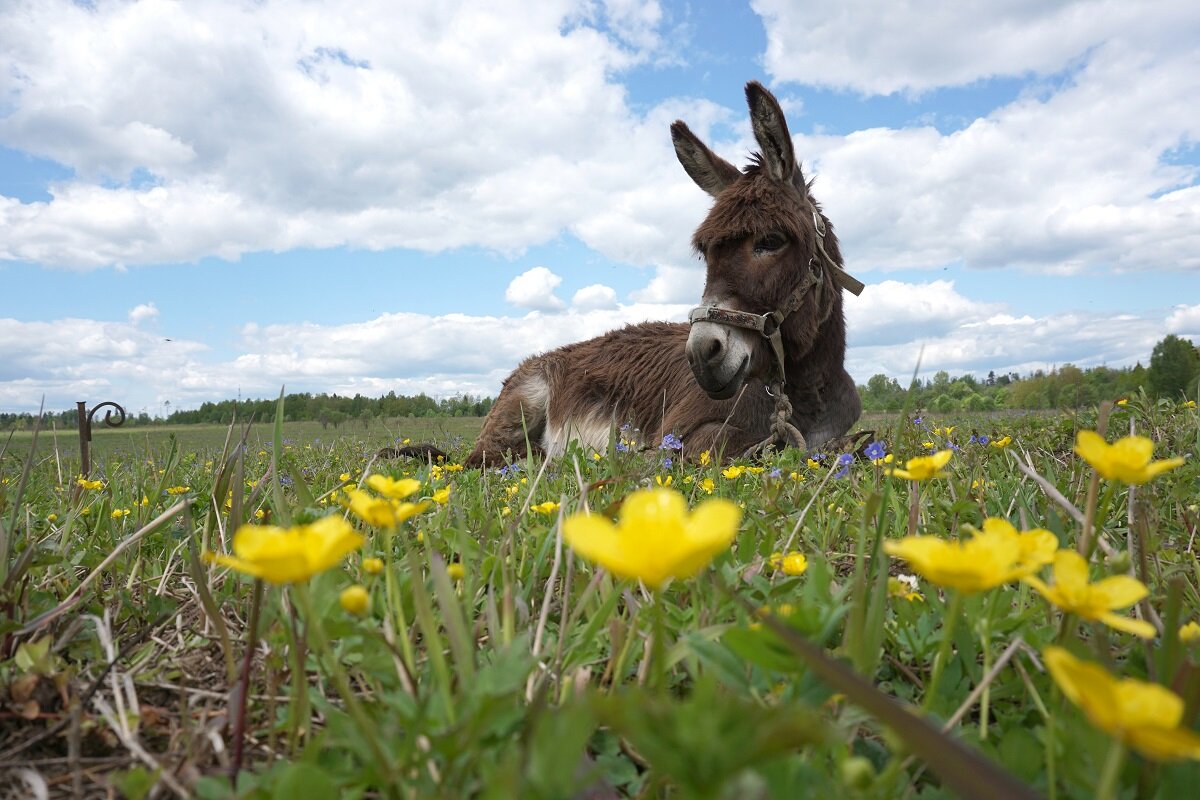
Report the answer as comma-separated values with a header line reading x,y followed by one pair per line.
x,y
494,663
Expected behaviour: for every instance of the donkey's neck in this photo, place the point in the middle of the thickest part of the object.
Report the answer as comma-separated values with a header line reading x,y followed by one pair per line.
x,y
814,353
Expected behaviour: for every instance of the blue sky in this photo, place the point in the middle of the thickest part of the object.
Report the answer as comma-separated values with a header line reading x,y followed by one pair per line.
x,y
200,199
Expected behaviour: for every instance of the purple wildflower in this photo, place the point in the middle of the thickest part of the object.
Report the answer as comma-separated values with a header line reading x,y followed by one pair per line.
x,y
984,440
844,461
667,463
775,473
671,442
875,450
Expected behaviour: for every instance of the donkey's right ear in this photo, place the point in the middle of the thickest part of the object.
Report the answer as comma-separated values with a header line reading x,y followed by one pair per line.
x,y
710,172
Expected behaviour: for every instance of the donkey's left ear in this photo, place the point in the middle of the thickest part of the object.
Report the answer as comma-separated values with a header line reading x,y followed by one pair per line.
x,y
771,131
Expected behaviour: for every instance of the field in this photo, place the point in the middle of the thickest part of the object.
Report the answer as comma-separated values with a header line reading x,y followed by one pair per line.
x,y
437,632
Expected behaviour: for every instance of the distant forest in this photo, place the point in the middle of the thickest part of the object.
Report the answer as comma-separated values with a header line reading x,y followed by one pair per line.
x,y
1173,373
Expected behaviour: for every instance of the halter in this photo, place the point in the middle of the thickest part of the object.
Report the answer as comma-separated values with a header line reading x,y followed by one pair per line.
x,y
768,326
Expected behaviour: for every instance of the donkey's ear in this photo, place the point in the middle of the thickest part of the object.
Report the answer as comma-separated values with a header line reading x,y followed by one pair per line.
x,y
710,172
771,131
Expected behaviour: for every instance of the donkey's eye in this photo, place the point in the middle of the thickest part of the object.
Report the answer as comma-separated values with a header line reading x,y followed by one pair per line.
x,y
771,243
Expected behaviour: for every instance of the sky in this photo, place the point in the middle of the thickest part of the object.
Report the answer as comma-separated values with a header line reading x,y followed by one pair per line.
x,y
205,200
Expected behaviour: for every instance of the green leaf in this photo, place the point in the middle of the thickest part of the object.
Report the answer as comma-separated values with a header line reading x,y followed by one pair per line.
x,y
304,780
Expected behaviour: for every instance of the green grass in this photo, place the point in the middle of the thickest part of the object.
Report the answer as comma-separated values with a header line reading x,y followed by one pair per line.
x,y
536,674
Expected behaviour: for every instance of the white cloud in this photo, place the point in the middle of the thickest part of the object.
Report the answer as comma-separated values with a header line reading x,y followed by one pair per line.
x,y
595,296
879,48
534,289
142,312
208,128
1185,321
73,359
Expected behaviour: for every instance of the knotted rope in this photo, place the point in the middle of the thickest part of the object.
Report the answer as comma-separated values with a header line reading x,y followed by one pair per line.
x,y
783,432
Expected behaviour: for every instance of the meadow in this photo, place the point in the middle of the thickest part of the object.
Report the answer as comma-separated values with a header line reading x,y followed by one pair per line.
x,y
980,606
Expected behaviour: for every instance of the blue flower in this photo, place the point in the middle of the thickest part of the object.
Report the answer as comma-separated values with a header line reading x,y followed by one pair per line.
x,y
775,473
621,446
667,463
984,440
509,469
844,461
875,450
671,442
917,421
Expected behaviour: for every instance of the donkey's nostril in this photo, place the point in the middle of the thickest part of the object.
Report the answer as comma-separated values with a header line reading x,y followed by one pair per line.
x,y
713,349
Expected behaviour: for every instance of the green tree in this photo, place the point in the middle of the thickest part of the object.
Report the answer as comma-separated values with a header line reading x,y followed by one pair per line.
x,y
1174,368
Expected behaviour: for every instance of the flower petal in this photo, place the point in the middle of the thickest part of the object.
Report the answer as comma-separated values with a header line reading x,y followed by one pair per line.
x,y
1070,571
1118,591
1165,744
1137,627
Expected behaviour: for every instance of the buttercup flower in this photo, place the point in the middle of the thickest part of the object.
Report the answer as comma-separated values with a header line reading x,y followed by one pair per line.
x,y
655,538
355,600
707,485
732,472
290,555
705,459
663,481
1072,593
1126,460
442,496
456,571
174,490
393,488
1002,442
381,512
922,468
794,564
1145,716
372,566
1189,633
548,507
904,586
90,485
996,555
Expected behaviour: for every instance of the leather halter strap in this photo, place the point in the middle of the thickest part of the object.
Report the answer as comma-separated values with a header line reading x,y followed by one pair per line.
x,y
768,325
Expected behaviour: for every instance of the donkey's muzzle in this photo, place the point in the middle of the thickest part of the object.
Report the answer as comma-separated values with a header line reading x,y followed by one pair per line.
x,y
719,359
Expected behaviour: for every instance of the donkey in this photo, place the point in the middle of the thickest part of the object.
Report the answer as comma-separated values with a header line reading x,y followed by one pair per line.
x,y
762,357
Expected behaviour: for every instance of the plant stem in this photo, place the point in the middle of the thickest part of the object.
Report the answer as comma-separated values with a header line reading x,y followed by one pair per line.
x,y
943,654
239,718
341,682
1106,789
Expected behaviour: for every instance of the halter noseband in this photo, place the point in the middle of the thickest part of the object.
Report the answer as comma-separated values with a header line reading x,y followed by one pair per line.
x,y
768,325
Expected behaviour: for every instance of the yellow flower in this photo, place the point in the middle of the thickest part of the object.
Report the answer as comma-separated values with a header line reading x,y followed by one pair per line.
x,y
52,518
664,482
120,512
597,457
879,462
145,501
922,468
90,485
355,600
548,507
1143,715
442,496
898,587
372,566
1190,404
1126,460
407,441
756,470
928,445
86,510
174,490
456,571
950,429
794,564
1124,401
812,463
996,555
655,538
705,458
454,468
381,511
259,514
707,485
290,555
1002,442
344,477
733,472
1072,593
1189,633
395,489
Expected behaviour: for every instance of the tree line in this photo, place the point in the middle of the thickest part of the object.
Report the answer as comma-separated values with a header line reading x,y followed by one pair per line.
x,y
1173,373
331,410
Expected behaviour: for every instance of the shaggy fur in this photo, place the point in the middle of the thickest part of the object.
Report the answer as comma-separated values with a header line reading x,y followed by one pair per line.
x,y
641,375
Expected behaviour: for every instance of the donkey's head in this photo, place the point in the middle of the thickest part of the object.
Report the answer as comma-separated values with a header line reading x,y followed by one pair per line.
x,y
770,255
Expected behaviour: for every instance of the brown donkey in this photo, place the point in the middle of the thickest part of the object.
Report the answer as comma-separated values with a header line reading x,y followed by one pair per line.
x,y
763,356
